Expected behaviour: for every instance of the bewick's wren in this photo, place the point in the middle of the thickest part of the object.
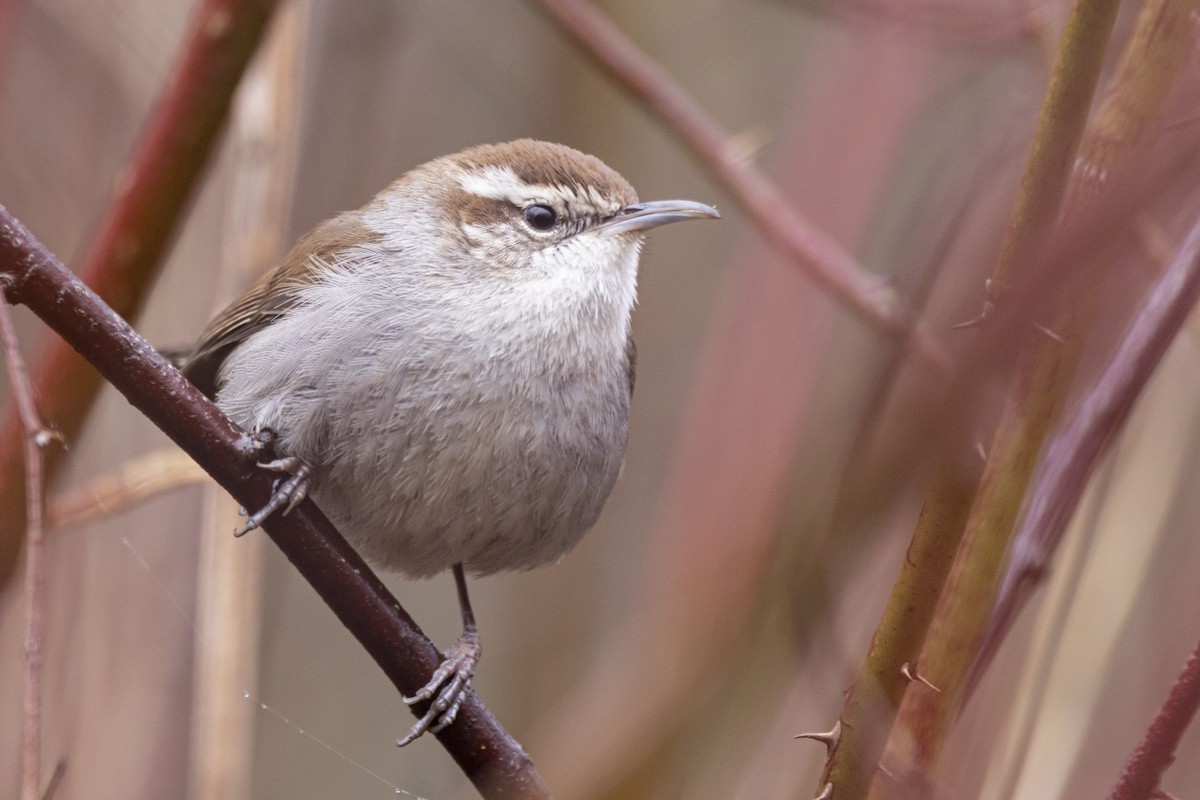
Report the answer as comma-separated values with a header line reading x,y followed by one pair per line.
x,y
450,367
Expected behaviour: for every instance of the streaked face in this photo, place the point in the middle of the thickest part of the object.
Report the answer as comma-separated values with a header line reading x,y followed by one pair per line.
x,y
522,209
528,202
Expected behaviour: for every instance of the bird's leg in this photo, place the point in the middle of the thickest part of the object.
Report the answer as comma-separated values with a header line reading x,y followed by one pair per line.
x,y
450,682
286,494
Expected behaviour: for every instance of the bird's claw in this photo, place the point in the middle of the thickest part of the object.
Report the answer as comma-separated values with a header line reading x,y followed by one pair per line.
x,y
287,493
448,688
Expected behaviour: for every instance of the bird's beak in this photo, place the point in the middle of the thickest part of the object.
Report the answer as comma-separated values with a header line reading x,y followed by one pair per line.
x,y
643,216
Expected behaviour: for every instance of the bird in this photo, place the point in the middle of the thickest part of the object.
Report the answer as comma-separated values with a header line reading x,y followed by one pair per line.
x,y
448,370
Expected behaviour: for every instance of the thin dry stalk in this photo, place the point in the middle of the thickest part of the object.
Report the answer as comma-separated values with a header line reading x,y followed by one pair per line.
x,y
263,135
36,437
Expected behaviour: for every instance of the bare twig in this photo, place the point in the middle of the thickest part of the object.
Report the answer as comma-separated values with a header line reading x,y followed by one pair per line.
x,y
262,143
36,437
814,251
130,241
1145,767
492,759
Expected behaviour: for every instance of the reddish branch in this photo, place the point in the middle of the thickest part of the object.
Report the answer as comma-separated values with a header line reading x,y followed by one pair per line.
x,y
1144,769
814,251
35,573
131,239
494,762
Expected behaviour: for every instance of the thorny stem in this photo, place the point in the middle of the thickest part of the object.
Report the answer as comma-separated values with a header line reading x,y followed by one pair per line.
x,y
1150,64
1042,377
1075,451
871,703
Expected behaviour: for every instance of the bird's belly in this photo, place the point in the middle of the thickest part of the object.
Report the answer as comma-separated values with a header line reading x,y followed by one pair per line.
x,y
499,485
437,449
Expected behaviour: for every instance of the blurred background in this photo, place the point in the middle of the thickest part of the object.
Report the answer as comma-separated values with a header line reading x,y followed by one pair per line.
x,y
779,448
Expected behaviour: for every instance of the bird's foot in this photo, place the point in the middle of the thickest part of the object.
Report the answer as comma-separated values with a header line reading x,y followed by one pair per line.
x,y
287,493
447,688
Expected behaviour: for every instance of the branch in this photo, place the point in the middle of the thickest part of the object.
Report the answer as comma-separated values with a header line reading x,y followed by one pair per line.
x,y
1145,767
810,248
36,437
129,243
870,704
492,759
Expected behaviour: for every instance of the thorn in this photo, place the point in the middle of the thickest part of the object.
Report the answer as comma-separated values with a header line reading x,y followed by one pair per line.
x,y
886,772
910,674
1050,333
45,436
1163,794
829,738
982,453
986,313
826,793
976,322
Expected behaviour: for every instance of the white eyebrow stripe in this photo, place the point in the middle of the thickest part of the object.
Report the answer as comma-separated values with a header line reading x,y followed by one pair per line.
x,y
501,183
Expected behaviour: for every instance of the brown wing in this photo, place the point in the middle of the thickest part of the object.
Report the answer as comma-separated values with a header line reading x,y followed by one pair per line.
x,y
270,297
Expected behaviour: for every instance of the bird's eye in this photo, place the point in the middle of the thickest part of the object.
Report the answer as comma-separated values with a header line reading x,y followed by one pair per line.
x,y
540,217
